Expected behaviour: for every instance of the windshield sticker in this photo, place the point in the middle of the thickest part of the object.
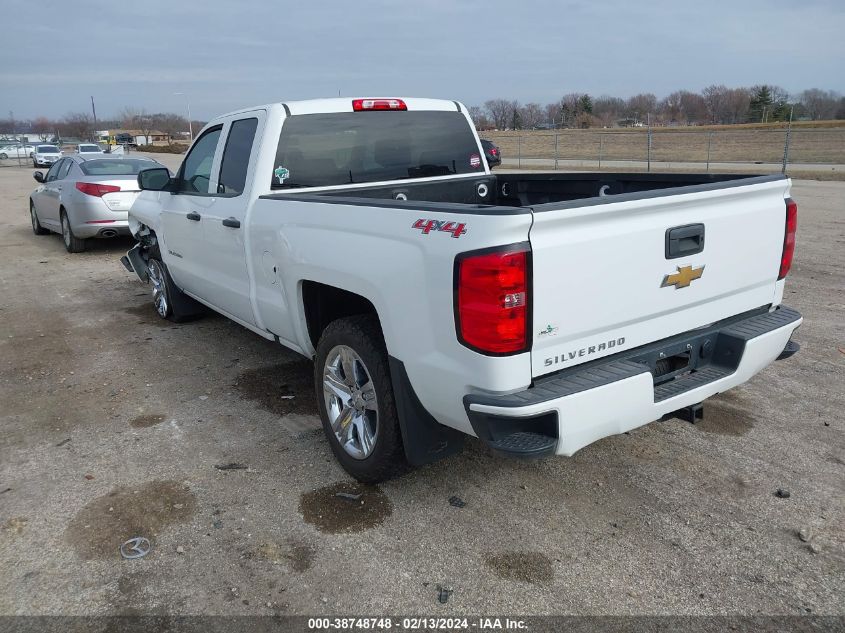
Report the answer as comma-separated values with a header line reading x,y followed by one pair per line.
x,y
281,173
475,161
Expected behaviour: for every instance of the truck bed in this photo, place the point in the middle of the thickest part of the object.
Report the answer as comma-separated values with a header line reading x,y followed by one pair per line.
x,y
529,190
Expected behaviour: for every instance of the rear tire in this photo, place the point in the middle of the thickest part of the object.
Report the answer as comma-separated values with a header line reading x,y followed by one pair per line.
x,y
356,401
4,156
169,302
36,225
72,243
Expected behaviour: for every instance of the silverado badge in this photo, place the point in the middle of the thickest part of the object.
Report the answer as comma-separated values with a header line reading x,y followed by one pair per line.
x,y
683,278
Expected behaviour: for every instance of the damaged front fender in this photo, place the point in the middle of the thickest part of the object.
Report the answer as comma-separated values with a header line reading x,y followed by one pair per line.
x,y
134,262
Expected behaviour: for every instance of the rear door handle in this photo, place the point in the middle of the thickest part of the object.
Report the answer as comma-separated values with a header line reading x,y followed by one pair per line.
x,y
232,223
193,215
683,241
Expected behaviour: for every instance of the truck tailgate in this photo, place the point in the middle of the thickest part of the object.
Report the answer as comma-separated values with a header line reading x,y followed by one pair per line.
x,y
604,280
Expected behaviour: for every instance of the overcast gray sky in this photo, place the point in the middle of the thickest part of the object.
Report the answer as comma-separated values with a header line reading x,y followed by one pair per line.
x,y
228,54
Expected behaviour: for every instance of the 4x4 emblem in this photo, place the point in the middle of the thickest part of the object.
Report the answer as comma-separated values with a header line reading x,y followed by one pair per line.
x,y
683,278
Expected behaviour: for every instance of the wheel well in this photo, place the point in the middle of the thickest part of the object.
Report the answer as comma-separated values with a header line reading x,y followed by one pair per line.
x,y
324,304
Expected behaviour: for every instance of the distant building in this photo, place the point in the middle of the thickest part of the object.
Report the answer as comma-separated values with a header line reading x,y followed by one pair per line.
x,y
139,137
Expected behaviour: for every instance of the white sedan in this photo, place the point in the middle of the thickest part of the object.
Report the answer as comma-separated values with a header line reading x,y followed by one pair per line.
x,y
86,197
16,151
88,149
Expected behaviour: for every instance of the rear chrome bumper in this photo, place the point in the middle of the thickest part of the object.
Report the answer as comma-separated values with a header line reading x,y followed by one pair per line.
x,y
566,411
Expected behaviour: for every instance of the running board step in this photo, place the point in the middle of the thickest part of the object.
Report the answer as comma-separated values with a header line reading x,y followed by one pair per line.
x,y
524,444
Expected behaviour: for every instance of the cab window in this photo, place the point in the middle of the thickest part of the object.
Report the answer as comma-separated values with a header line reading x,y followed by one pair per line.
x,y
196,170
236,157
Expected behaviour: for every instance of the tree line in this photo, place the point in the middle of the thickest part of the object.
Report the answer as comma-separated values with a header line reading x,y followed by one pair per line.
x,y
714,105
81,125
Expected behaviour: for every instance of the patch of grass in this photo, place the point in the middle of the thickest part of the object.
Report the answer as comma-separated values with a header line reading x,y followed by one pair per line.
x,y
741,143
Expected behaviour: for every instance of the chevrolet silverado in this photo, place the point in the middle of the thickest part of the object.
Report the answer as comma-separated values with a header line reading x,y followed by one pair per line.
x,y
538,312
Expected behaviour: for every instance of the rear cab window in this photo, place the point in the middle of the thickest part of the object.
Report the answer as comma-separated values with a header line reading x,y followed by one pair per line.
x,y
236,155
356,147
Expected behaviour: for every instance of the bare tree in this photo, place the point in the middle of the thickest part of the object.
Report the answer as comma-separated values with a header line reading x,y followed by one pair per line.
x,y
570,107
500,111
129,117
77,125
173,125
552,113
641,106
693,107
819,104
531,115
43,127
715,100
608,110
479,117
146,125
737,104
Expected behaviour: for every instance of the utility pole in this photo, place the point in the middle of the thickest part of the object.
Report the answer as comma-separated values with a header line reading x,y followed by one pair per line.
x,y
188,107
94,112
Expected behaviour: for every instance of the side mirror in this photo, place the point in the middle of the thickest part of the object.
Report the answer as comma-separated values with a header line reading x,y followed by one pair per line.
x,y
154,179
39,176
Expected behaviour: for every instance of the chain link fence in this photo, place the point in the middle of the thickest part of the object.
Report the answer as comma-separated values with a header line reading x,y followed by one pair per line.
x,y
661,148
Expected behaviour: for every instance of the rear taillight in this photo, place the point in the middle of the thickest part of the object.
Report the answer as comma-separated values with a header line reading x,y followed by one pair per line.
x,y
789,237
362,105
492,300
494,151
95,189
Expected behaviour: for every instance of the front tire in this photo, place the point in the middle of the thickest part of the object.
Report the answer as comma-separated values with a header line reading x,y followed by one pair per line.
x,y
356,401
168,300
36,225
4,156
72,243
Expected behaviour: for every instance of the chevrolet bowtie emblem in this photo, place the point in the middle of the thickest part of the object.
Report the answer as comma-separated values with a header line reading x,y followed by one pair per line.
x,y
683,278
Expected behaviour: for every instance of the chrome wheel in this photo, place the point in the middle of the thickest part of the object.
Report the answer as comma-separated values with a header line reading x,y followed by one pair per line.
x,y
351,402
159,284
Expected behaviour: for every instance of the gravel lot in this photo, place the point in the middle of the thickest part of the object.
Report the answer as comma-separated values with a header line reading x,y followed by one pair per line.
x,y
113,424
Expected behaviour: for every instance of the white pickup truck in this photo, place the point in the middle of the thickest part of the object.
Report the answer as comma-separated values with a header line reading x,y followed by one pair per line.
x,y
538,312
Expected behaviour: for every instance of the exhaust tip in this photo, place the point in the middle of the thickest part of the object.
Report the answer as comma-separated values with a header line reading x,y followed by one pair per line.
x,y
108,233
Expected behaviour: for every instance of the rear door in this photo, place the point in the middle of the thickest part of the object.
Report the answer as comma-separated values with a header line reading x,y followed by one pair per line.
x,y
610,276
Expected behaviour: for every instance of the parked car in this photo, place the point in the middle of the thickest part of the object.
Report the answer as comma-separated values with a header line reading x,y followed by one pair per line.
x,y
45,155
85,197
125,139
492,153
88,149
538,312
16,150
